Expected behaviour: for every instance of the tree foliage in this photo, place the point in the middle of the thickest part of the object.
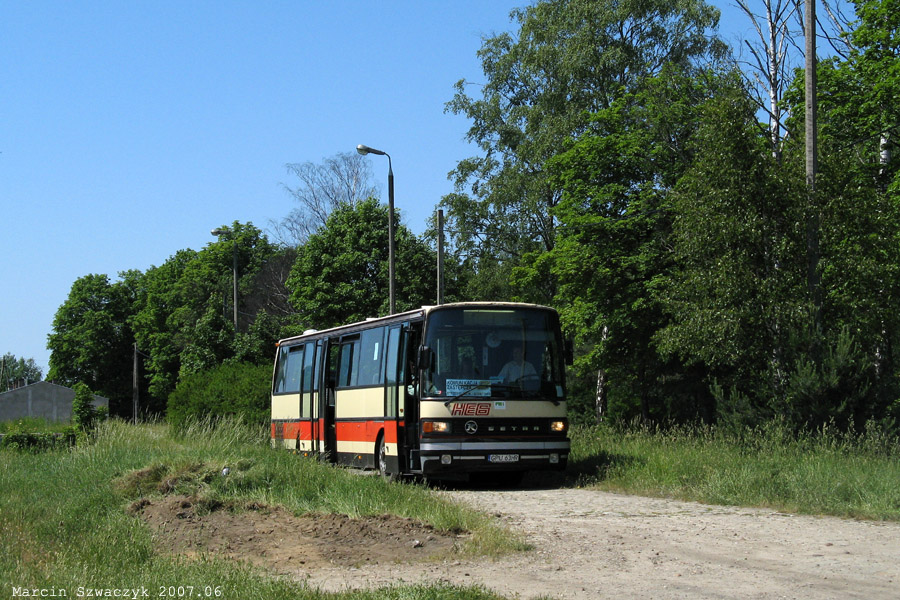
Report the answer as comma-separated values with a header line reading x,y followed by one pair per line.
x,y
178,315
230,389
341,273
676,246
570,58
92,339
183,314
341,180
177,318
17,371
84,414
615,222
735,297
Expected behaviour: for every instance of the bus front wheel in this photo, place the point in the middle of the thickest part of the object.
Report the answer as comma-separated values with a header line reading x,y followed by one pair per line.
x,y
381,459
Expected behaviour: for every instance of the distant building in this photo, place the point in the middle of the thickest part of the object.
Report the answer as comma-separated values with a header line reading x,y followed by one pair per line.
x,y
43,400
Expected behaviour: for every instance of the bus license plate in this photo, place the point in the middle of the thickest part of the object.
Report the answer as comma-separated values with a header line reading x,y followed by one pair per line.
x,y
503,458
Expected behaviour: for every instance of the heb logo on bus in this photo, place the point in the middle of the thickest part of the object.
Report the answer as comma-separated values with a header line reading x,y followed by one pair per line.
x,y
471,409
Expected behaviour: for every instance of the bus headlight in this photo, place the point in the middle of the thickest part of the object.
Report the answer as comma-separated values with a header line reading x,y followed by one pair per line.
x,y
435,427
557,426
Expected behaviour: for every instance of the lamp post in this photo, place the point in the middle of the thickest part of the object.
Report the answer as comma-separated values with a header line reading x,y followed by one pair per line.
x,y
220,232
362,149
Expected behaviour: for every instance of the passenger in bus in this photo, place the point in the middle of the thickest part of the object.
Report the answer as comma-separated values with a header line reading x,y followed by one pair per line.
x,y
518,368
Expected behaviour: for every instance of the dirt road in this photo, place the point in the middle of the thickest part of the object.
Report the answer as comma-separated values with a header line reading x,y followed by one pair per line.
x,y
592,544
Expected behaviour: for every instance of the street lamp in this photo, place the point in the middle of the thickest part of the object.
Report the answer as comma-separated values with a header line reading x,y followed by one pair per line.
x,y
362,149
220,232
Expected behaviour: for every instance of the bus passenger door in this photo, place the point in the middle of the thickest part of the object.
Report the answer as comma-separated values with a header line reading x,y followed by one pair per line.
x,y
317,400
394,407
327,427
409,376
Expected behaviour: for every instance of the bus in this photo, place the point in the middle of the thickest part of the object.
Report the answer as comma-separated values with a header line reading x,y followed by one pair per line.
x,y
461,388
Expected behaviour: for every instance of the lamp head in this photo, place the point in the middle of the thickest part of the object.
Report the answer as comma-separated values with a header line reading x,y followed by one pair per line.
x,y
220,231
363,149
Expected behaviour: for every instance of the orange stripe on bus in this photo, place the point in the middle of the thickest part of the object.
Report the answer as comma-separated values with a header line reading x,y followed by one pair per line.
x,y
347,431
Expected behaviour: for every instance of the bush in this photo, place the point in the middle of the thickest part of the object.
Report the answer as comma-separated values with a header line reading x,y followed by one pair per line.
x,y
28,441
232,389
84,415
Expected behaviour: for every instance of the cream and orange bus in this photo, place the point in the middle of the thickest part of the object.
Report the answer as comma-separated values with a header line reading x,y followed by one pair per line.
x,y
458,388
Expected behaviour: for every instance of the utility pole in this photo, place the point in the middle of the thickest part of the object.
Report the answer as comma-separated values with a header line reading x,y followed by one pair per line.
x,y
440,257
135,383
134,386
225,231
811,100
813,278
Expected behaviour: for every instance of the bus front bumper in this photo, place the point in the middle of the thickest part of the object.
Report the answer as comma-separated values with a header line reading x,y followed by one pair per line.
x,y
447,456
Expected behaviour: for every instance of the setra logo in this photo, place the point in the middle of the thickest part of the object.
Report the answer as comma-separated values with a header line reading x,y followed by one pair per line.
x,y
471,409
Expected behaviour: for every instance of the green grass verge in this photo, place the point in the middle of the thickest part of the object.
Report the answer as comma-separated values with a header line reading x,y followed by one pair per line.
x,y
825,473
64,524
34,424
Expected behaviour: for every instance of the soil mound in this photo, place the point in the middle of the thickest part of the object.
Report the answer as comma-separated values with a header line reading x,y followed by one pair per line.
x,y
272,537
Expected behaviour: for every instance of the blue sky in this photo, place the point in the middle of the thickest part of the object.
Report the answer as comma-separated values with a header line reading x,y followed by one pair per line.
x,y
129,130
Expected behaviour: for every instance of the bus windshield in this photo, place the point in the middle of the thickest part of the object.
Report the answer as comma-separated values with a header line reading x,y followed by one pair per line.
x,y
493,353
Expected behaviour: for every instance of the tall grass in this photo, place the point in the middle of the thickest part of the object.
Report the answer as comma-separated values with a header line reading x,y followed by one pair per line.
x,y
824,472
64,523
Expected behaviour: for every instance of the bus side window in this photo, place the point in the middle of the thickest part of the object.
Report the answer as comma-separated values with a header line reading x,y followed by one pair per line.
x,y
370,354
348,372
317,370
308,367
332,370
393,359
280,370
290,363
307,383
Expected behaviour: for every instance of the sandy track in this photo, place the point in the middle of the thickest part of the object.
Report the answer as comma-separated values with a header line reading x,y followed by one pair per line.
x,y
591,544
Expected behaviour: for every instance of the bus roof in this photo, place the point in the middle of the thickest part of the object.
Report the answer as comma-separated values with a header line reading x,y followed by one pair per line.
x,y
404,316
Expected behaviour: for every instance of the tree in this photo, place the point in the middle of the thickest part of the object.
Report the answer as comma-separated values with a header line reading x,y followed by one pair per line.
x,y
738,297
736,294
177,315
858,187
183,320
341,273
84,414
155,328
91,341
773,60
571,58
17,371
341,180
876,59
613,248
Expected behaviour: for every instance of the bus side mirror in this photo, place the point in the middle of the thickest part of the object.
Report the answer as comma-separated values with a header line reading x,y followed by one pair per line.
x,y
570,351
425,355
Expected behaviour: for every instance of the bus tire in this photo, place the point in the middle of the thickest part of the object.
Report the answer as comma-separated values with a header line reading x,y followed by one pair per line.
x,y
381,459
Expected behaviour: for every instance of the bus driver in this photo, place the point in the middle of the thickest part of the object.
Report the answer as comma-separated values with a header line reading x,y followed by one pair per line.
x,y
518,368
